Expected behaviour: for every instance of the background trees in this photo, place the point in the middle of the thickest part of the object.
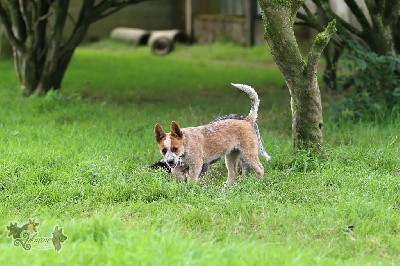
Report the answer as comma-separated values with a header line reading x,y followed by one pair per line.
x,y
379,25
371,79
35,30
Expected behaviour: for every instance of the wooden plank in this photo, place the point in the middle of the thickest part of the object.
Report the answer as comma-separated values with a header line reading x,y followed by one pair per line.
x,y
189,19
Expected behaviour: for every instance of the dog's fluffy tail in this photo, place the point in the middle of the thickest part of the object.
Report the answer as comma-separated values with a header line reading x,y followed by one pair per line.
x,y
252,116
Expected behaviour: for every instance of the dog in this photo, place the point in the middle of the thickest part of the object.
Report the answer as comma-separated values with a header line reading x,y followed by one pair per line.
x,y
244,166
58,238
186,150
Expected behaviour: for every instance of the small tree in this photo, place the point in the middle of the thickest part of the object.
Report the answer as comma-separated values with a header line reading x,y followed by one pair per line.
x,y
35,30
300,75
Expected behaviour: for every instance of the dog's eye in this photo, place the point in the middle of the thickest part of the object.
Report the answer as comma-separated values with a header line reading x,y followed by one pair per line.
x,y
174,149
164,151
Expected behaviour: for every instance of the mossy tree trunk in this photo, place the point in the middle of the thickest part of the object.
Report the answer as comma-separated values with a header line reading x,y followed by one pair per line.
x,y
300,75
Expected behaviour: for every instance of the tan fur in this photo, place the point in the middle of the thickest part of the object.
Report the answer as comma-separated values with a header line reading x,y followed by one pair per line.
x,y
197,145
188,149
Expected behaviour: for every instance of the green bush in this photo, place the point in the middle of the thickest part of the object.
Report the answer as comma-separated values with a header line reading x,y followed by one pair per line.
x,y
371,83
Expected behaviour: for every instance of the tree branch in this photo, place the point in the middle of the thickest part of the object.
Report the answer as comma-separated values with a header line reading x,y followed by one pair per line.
x,y
24,15
318,46
392,10
42,15
60,9
16,64
61,15
5,20
340,22
310,19
281,39
296,4
16,19
71,18
106,8
359,14
80,28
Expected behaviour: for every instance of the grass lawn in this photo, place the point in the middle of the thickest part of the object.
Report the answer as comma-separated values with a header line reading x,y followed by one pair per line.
x,y
80,160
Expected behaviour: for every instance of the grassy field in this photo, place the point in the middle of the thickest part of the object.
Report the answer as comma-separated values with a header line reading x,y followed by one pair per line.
x,y
79,159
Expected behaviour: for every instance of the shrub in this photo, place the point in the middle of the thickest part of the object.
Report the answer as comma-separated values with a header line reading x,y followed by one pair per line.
x,y
371,83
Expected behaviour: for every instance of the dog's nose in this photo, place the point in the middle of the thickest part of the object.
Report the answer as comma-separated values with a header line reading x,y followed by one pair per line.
x,y
170,162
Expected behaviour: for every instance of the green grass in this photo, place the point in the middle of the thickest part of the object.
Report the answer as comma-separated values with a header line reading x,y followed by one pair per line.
x,y
80,160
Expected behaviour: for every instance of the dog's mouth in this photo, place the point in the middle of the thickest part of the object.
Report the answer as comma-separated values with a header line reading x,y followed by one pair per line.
x,y
172,165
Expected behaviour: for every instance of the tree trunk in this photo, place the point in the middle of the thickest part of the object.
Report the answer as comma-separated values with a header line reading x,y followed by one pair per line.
x,y
51,77
300,76
306,115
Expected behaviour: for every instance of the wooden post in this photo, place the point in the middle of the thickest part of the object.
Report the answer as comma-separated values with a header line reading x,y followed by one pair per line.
x,y
189,19
251,12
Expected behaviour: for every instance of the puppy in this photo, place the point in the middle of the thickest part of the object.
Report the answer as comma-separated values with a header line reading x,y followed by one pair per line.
x,y
245,167
191,148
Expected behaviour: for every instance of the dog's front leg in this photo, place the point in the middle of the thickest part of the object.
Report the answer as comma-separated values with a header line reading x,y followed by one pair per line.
x,y
194,173
195,170
179,174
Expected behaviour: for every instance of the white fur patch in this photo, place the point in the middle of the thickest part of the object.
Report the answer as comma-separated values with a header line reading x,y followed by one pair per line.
x,y
255,101
167,142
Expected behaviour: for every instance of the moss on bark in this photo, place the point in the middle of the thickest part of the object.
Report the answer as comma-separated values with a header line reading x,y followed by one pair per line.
x,y
300,77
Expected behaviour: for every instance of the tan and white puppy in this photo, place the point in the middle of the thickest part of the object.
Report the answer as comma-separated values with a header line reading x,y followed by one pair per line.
x,y
189,148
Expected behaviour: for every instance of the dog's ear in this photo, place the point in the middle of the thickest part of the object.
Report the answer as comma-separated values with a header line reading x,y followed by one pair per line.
x,y
159,132
175,130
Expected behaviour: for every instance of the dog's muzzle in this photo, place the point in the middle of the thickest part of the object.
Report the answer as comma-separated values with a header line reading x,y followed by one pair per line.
x,y
172,164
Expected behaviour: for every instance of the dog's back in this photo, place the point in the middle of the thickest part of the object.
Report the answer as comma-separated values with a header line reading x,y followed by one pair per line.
x,y
219,138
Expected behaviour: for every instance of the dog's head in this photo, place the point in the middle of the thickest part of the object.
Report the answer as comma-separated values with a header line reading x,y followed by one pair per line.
x,y
170,144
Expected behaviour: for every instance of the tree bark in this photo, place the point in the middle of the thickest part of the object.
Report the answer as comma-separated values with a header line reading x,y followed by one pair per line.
x,y
5,47
300,76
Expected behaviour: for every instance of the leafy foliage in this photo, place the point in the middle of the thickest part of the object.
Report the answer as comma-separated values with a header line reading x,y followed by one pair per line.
x,y
371,82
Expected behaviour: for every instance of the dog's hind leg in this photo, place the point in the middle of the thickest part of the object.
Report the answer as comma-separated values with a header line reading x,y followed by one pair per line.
x,y
194,173
231,161
254,161
179,174
244,166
